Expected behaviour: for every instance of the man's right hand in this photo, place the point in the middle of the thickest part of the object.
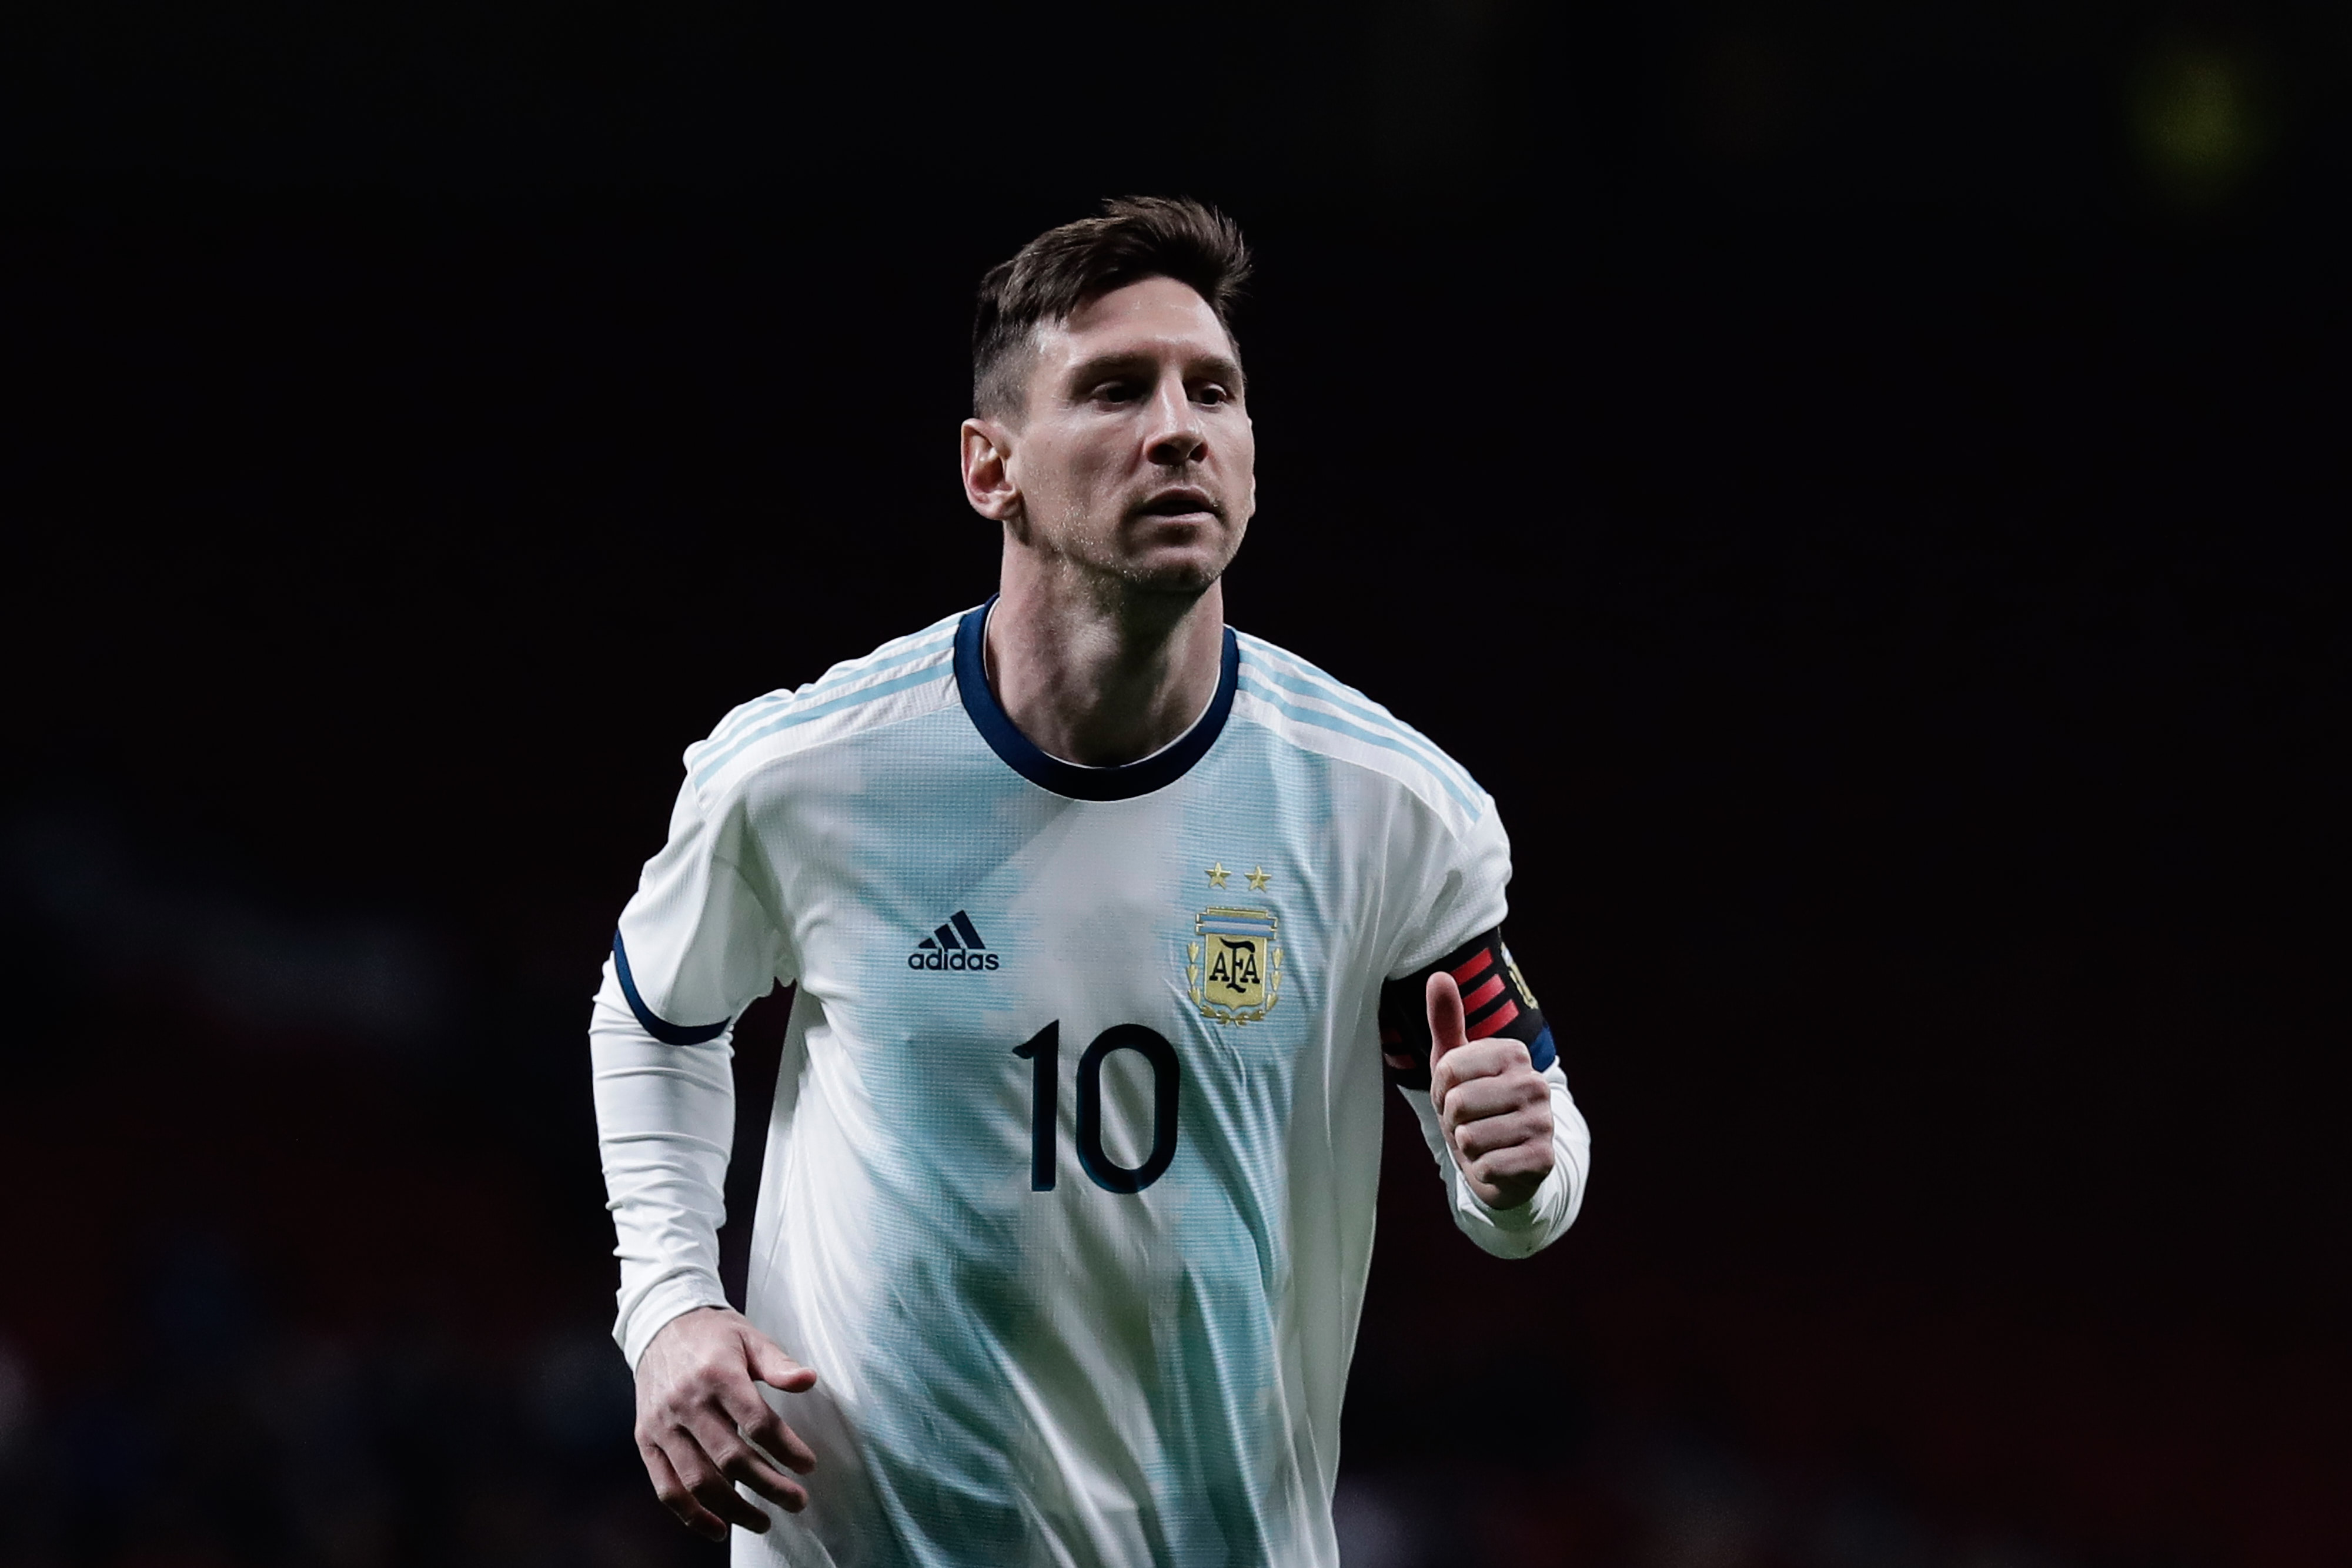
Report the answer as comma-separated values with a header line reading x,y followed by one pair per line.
x,y
703,1425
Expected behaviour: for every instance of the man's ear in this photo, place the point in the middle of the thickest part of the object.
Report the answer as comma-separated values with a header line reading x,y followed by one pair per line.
x,y
988,482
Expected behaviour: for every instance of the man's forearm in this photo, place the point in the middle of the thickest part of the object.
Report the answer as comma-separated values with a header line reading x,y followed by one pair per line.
x,y
664,1122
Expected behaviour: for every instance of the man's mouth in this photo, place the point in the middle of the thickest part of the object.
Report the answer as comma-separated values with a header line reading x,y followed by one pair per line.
x,y
1182,502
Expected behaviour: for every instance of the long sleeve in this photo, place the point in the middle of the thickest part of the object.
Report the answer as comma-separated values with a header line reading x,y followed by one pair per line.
x,y
697,943
665,1118
1496,1004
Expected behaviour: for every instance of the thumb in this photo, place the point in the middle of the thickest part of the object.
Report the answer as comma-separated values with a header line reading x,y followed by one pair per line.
x,y
771,1366
1446,1029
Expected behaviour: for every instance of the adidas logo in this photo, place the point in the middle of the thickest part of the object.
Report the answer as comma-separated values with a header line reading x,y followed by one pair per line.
x,y
954,945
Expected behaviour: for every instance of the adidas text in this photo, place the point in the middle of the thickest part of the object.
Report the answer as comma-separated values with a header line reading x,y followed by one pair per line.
x,y
935,959
956,945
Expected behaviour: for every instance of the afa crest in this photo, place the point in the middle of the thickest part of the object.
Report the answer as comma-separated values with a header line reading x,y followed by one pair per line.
x,y
1234,965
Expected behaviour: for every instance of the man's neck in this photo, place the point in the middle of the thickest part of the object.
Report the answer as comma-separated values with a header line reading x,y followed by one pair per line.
x,y
1098,675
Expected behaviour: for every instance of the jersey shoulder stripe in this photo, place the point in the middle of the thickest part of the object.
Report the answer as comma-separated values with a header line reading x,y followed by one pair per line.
x,y
898,652
1311,709
1318,688
846,699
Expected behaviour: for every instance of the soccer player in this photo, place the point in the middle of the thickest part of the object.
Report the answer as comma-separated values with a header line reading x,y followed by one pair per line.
x,y
1106,924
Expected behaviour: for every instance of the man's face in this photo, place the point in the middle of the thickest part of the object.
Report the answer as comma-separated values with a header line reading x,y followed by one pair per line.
x,y
1135,456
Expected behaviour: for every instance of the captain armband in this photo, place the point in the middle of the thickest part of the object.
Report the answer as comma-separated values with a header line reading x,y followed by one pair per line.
x,y
1495,1000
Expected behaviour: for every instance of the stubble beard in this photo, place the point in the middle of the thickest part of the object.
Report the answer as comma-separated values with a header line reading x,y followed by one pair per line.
x,y
1133,587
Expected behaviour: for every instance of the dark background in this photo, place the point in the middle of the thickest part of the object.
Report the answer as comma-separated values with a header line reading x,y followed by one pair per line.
x,y
1854,482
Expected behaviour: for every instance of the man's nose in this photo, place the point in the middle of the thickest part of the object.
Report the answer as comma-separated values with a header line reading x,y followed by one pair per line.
x,y
1176,436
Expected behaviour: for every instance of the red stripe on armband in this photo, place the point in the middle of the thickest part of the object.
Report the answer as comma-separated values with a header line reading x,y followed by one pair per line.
x,y
1494,1020
1473,1000
1475,967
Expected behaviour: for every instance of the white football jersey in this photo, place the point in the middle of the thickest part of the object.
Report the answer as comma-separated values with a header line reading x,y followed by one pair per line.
x,y
1068,1191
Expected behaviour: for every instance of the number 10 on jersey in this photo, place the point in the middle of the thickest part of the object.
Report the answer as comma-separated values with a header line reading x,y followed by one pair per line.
x,y
1042,1052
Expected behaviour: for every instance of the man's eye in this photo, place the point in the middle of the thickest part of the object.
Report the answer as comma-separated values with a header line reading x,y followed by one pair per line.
x,y
1212,394
1115,391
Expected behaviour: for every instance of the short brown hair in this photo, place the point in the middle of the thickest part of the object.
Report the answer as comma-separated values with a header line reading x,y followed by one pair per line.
x,y
1136,238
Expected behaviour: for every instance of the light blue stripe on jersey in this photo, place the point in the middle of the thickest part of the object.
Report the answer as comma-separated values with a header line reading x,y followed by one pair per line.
x,y
931,639
1307,681
1266,692
800,716
1239,927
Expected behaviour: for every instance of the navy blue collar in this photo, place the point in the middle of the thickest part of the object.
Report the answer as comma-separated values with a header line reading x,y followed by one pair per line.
x,y
1123,782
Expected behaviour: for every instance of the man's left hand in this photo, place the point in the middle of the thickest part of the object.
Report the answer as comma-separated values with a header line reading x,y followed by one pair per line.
x,y
1495,1107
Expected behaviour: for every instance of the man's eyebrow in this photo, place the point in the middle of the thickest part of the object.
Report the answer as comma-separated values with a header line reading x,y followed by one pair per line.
x,y
1212,366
